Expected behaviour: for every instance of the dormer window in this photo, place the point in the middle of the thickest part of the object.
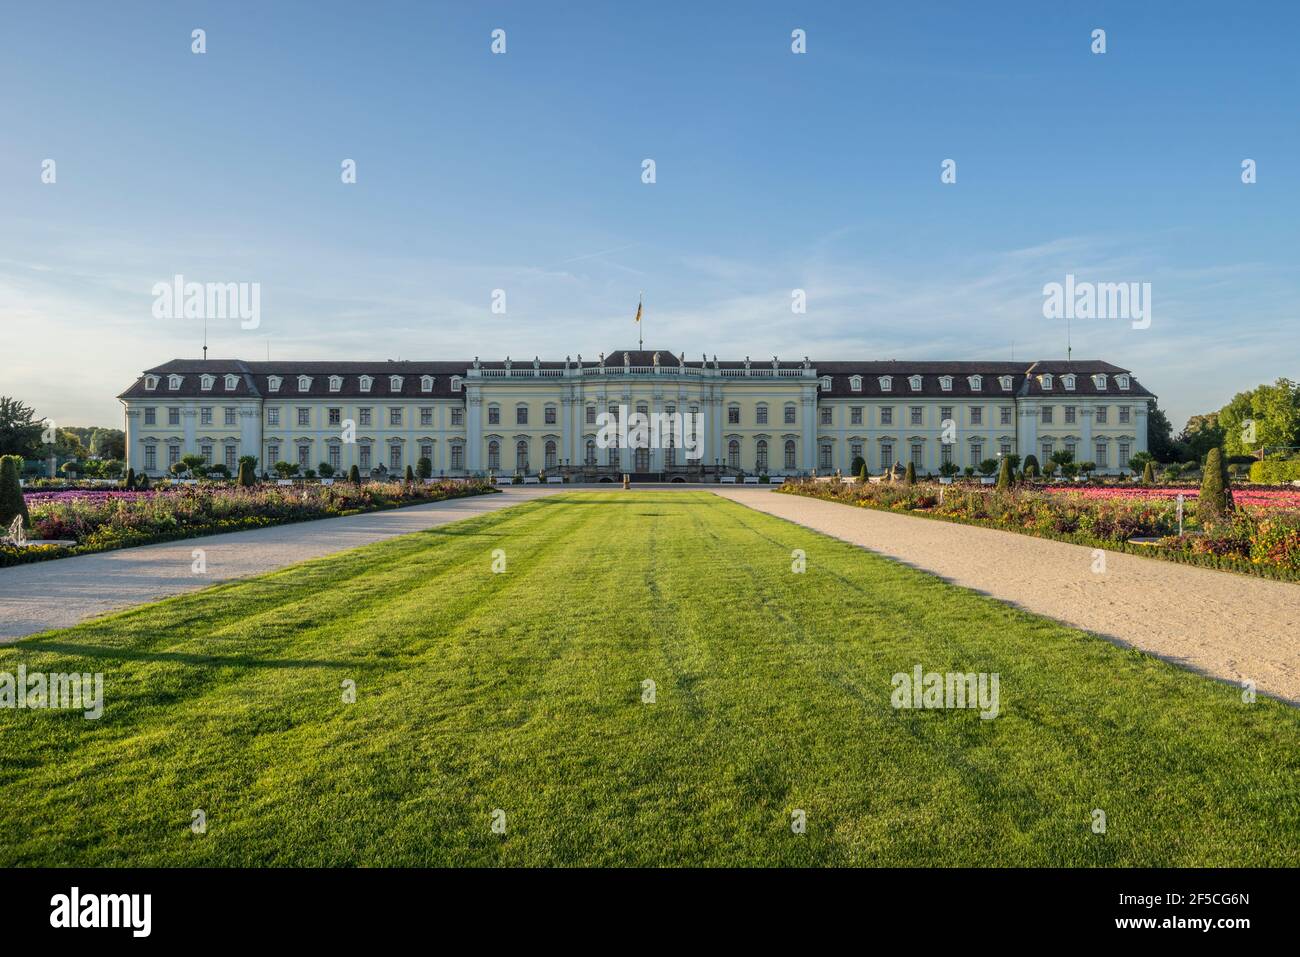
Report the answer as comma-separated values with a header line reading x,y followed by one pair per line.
x,y
1005,382
1121,381
855,383
826,383
366,383
304,383
150,383
174,382
1045,380
945,383
205,382
886,383
1099,380
273,383
336,383
232,383
1068,381
455,383
976,383
394,383
915,383
426,383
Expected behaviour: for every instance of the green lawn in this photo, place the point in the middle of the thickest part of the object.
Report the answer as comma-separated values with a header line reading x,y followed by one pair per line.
x,y
523,691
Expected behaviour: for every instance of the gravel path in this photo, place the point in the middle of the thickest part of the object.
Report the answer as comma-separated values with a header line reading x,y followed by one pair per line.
x,y
65,591
1230,626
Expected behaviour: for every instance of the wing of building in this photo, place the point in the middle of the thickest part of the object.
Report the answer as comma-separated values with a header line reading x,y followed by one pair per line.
x,y
775,417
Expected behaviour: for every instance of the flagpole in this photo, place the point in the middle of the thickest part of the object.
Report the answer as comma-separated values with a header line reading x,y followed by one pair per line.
x,y
640,334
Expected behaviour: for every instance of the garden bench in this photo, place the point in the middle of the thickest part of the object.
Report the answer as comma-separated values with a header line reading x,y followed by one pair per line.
x,y
531,480
751,479
284,481
555,480
728,480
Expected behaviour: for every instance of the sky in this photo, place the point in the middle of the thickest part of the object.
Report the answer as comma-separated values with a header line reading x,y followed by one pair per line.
x,y
522,171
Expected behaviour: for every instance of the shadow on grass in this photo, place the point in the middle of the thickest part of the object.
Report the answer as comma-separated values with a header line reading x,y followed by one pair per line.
x,y
92,651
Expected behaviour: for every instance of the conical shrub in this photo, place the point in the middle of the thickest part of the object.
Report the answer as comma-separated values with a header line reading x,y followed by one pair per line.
x,y
1215,500
1004,473
11,493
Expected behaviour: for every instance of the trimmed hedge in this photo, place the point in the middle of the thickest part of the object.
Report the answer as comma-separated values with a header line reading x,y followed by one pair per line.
x,y
1275,471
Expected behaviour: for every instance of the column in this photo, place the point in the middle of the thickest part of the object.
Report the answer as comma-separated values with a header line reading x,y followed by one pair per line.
x,y
808,420
250,433
1086,451
134,441
1139,429
1027,431
188,417
474,431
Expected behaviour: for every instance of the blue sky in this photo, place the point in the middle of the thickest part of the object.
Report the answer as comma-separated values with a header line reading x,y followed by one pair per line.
x,y
522,172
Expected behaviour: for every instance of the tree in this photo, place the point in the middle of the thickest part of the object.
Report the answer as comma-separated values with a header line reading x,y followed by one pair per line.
x,y
856,466
1014,460
326,470
1160,434
178,469
909,477
862,474
1148,473
1138,463
1031,466
12,503
410,475
250,459
1062,457
1004,472
1087,468
143,484
219,469
1201,434
193,462
988,466
1069,470
285,469
354,475
949,468
424,467
1215,500
108,443
1266,416
247,477
20,432
129,481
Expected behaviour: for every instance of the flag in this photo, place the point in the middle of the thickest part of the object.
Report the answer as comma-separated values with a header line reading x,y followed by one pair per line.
x,y
638,311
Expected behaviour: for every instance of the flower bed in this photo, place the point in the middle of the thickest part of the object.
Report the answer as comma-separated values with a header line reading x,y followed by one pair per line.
x,y
1268,498
102,520
1260,540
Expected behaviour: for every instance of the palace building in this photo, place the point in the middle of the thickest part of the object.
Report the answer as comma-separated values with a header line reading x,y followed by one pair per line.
x,y
774,417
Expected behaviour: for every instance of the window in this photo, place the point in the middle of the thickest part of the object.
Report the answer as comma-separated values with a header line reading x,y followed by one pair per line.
x,y
945,383
205,382
304,416
1102,413
886,383
945,415
855,451
976,453
945,453
886,455
1005,382
1004,449
494,414
591,446
426,452
232,383
826,416
976,383
1124,455
1048,449
521,415
855,415
521,456
205,452
336,383
1004,415
1068,382
426,416
612,457
761,415
1045,380
918,454
395,457
335,456
789,415
205,415
273,383
1069,414
887,415
855,383
760,459
789,453
364,455
366,383
455,383
426,383
173,416
915,383
733,415
457,457
591,415
304,383
918,414
826,383
150,382
1100,457
232,416
363,416
394,415
1047,415
976,415
550,455
151,457
494,455
1071,448
824,456
1123,414
150,416
174,382
394,383
272,454
457,416
336,416
733,454
549,415
1099,380
1122,381
273,415
173,454
304,456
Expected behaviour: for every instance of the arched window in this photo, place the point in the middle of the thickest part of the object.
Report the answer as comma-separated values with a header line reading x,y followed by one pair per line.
x,y
494,455
550,455
760,461
733,454
521,456
591,448
789,453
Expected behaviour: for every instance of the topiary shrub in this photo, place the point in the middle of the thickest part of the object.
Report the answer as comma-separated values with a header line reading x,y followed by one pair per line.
x,y
247,478
143,484
1032,469
858,464
129,482
909,477
424,467
1215,500
1149,473
1004,473
862,473
12,503
410,475
354,475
